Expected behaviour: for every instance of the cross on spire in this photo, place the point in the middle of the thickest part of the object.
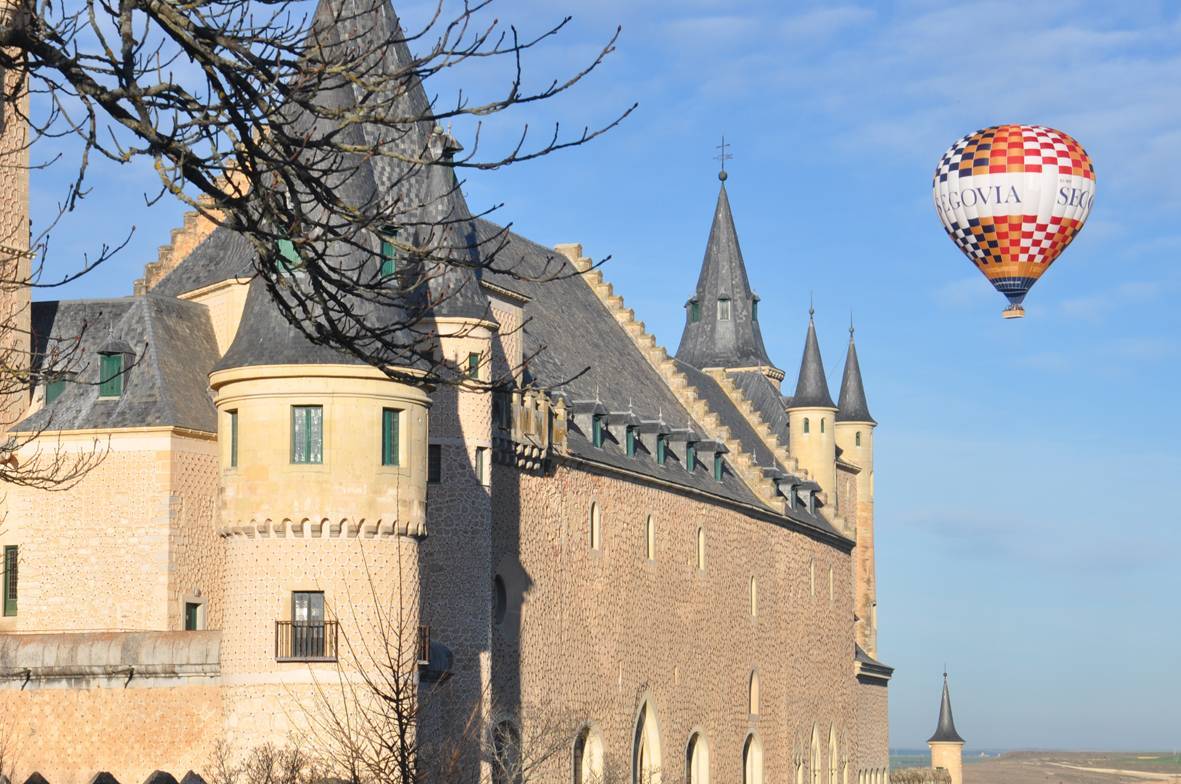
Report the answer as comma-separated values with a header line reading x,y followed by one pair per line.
x,y
723,156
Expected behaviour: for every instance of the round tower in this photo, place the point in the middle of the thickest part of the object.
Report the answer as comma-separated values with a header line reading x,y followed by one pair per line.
x,y
323,504
811,416
947,747
854,438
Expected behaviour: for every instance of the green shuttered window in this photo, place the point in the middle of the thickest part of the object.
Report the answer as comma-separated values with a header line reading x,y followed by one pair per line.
x,y
661,449
690,457
694,311
597,431
389,436
631,442
717,467
307,434
54,389
389,251
111,375
10,575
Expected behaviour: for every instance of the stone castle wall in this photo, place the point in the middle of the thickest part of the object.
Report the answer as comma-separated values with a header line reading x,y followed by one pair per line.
x,y
587,635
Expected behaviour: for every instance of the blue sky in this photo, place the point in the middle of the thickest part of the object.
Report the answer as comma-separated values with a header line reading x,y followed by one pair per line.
x,y
1026,513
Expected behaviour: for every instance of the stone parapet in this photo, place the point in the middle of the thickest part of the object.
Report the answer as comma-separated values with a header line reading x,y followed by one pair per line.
x,y
126,659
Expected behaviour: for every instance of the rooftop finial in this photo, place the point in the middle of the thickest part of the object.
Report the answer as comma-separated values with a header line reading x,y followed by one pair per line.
x,y
811,306
850,326
723,156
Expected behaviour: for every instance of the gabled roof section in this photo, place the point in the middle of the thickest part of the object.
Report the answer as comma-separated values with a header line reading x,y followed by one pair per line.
x,y
173,346
945,732
812,387
708,340
853,406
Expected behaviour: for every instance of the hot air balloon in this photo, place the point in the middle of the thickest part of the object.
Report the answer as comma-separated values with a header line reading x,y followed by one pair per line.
x,y
1012,197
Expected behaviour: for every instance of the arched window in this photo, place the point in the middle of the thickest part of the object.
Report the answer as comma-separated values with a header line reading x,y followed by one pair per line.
x,y
832,756
588,757
752,761
697,760
596,527
650,539
646,756
821,424
754,597
754,694
700,549
857,437
807,426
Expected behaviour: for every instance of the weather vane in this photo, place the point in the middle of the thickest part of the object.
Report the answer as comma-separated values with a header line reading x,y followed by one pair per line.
x,y
723,156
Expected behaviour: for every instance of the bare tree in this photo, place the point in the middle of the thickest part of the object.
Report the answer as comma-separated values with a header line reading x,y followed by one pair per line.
x,y
311,135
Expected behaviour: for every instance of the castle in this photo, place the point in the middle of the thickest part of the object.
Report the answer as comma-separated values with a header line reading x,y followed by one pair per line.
x,y
668,553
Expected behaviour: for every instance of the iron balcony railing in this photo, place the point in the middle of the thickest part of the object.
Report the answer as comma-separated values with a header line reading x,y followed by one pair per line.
x,y
306,641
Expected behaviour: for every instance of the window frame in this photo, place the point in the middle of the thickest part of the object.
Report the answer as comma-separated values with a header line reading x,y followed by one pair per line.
x,y
725,309
232,415
11,583
597,431
630,441
389,251
754,309
473,365
661,449
308,440
54,389
481,465
111,386
718,467
391,437
694,311
690,456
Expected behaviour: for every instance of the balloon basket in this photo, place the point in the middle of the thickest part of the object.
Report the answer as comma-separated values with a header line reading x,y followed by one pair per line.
x,y
1014,312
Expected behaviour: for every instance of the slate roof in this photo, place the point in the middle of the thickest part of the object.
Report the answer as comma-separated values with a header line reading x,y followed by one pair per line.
x,y
578,348
853,406
223,255
710,342
812,387
945,731
764,396
173,346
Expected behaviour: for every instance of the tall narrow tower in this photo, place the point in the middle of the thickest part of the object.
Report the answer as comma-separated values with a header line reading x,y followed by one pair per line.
x,y
811,416
947,747
14,232
855,427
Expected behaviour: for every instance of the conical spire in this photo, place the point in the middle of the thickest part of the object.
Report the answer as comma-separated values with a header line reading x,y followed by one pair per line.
x,y
721,320
945,732
853,406
812,387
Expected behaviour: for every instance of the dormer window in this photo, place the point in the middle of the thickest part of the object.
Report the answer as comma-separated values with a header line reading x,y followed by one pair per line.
x,y
661,449
288,257
754,309
811,502
597,431
791,498
110,379
389,250
723,309
630,440
694,311
54,389
717,467
690,456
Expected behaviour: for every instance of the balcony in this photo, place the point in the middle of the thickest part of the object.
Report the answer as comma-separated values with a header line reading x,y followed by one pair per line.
x,y
306,641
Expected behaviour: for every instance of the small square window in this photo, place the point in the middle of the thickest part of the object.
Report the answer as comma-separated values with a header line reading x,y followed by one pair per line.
x,y
111,375
390,436
434,464
54,389
473,365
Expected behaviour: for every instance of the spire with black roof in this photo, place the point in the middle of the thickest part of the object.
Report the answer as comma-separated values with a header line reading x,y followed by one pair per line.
x,y
812,387
945,731
853,406
721,319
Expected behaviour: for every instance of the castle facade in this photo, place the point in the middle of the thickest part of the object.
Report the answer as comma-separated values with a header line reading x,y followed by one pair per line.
x,y
667,558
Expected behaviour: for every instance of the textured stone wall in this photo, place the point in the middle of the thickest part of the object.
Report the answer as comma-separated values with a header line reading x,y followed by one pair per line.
x,y
588,635
61,733
100,556
196,554
14,239
873,730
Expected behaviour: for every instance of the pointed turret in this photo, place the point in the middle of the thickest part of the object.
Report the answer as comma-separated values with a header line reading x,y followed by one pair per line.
x,y
721,319
947,747
853,406
945,731
812,386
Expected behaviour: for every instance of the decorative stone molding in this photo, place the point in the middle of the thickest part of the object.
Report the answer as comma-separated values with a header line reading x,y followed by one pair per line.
x,y
323,529
194,228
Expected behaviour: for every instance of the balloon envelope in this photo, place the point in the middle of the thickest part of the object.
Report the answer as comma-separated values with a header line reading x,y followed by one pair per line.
x,y
1012,197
